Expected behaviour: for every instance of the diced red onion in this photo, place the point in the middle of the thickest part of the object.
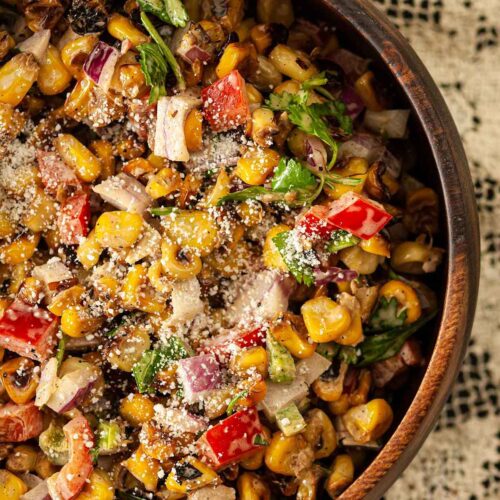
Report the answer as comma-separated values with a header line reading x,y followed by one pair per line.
x,y
36,45
47,385
100,64
365,146
333,275
354,104
198,375
390,123
352,65
316,153
39,492
197,54
124,192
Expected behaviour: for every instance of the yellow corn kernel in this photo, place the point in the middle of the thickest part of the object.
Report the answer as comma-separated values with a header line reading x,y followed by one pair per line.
x,y
89,251
192,229
12,121
413,257
65,299
253,357
406,296
6,42
270,253
100,487
330,389
53,76
175,267
41,213
358,260
325,320
137,294
368,422
193,130
126,351
341,476
243,29
256,166
256,459
320,433
220,189
7,227
283,452
234,54
75,52
356,168
104,151
376,245
165,182
292,63
85,164
159,281
19,273
118,229
4,304
291,332
157,161
143,468
138,167
32,291
77,102
360,395
121,28
137,409
263,127
132,81
289,86
340,406
364,88
20,250
354,333
275,11
208,476
76,322
11,486
261,37
254,96
16,78
252,487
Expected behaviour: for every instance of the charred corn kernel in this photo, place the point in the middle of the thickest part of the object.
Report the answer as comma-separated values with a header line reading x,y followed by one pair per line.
x,y
414,257
16,78
270,253
251,486
121,28
19,379
53,76
11,486
377,245
138,167
193,130
76,322
365,89
118,229
340,406
325,320
176,267
137,294
406,296
320,433
7,227
243,29
263,127
341,476
358,260
132,81
41,213
65,299
6,43
77,102
368,422
253,357
289,86
356,168
75,53
32,291
192,229
178,485
330,388
261,37
19,273
126,351
104,151
85,164
291,332
292,63
354,333
256,166
234,54
165,182
256,459
11,121
137,409
99,487
22,459
250,212
275,11
157,278
254,96
282,453
89,251
20,250
360,395
44,467
221,188
157,161
143,468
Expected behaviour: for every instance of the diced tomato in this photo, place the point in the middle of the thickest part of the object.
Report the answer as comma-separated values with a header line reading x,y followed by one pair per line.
x,y
74,219
314,223
358,215
20,422
28,330
55,174
252,338
232,439
225,103
71,479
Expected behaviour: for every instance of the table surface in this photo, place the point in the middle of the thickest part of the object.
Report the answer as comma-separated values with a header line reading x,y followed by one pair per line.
x,y
459,41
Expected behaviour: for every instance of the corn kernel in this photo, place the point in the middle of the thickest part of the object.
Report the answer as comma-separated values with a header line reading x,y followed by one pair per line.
x,y
356,168
76,322
176,268
137,409
290,331
20,250
65,299
41,213
143,468
256,166
406,296
16,78
118,229
283,452
75,52
193,130
270,253
11,486
292,63
253,357
221,188
254,96
234,54
99,487
89,251
370,421
104,151
53,76
364,88
121,28
342,475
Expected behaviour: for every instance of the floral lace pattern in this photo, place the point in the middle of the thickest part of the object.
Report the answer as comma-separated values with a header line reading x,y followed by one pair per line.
x,y
459,42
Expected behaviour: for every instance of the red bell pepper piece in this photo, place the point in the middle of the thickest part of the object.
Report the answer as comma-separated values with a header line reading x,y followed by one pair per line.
x,y
251,338
225,103
314,223
232,439
74,219
28,330
20,422
55,174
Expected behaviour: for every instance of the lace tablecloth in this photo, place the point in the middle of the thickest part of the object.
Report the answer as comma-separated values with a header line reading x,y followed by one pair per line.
x,y
458,40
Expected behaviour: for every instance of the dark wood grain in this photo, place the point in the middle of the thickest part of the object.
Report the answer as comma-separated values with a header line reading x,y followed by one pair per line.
x,y
375,34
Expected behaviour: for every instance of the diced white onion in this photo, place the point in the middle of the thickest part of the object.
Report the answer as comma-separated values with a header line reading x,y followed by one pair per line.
x,y
36,45
390,123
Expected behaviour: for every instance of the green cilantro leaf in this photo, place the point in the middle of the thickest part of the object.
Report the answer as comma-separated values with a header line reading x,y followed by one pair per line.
x,y
387,315
348,354
232,404
176,12
155,69
252,193
337,109
259,440
290,175
156,7
341,239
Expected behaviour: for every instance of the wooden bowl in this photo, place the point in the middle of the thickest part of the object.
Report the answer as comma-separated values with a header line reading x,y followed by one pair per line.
x,y
443,165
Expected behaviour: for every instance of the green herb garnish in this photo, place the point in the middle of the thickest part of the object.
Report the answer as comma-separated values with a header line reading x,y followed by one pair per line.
x,y
259,440
159,211
291,175
388,314
232,404
170,11
156,7
61,347
155,69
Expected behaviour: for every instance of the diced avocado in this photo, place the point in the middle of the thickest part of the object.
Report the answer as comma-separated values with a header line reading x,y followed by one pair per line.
x,y
54,444
110,438
289,420
281,364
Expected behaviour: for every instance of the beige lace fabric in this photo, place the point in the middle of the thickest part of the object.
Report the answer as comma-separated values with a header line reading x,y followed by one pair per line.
x,y
458,40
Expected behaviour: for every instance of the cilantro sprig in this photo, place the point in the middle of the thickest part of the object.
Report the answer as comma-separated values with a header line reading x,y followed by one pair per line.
x,y
155,69
388,314
170,11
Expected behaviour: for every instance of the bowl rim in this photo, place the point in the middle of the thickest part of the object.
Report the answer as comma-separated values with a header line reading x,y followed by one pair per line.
x,y
462,273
